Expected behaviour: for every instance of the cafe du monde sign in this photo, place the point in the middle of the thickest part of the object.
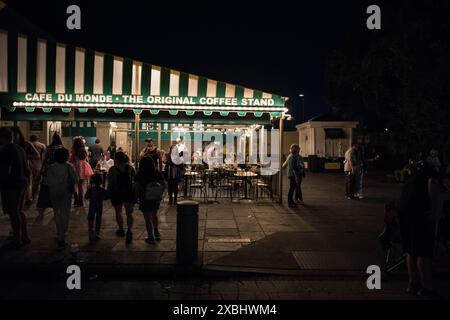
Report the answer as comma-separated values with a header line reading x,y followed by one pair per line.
x,y
146,100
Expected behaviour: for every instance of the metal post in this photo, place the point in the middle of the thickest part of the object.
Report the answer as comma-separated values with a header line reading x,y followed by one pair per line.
x,y
187,233
280,173
303,109
136,138
159,135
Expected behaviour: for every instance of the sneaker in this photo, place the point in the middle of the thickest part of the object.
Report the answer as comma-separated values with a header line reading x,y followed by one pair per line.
x,y
120,233
157,235
292,205
150,240
413,288
129,238
360,196
97,237
300,202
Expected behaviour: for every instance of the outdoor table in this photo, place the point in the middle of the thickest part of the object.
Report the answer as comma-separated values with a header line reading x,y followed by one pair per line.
x,y
186,177
246,175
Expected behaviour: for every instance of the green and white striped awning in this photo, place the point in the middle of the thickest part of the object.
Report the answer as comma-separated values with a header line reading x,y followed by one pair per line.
x,y
36,73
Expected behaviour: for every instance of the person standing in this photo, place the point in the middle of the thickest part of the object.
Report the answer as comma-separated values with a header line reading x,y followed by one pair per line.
x,y
48,159
84,171
95,154
349,170
121,178
150,186
433,160
36,165
302,174
293,173
152,151
173,176
112,149
416,206
96,194
61,179
14,176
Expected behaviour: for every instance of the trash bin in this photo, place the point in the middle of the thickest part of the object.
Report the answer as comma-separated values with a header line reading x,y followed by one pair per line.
x,y
187,232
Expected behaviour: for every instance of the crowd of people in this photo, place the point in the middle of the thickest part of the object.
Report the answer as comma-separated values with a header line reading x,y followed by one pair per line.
x,y
53,176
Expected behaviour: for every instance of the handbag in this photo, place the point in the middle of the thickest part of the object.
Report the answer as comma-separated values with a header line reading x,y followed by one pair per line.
x,y
154,191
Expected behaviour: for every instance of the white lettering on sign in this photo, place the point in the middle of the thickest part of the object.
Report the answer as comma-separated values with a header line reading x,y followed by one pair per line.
x,y
154,100
47,97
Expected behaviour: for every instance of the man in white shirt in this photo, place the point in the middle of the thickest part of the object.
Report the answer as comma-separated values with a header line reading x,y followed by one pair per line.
x,y
178,151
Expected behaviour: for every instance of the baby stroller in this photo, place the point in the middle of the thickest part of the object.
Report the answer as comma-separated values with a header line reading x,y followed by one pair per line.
x,y
390,239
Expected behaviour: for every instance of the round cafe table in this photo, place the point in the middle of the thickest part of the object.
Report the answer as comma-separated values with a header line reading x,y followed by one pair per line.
x,y
246,175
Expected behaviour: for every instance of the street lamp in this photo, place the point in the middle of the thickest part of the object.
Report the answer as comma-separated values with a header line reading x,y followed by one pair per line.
x,y
302,97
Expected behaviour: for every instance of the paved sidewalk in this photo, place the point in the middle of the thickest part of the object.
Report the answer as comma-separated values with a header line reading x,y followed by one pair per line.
x,y
328,236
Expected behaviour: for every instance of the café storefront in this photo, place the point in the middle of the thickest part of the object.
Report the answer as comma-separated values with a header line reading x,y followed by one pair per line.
x,y
53,87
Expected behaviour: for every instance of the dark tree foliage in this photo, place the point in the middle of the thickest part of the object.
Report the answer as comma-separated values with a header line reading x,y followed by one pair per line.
x,y
398,77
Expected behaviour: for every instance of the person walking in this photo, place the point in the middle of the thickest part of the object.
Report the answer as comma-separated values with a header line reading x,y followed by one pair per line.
x,y
121,179
36,165
416,206
32,157
84,171
350,165
294,174
150,186
96,194
173,176
48,159
95,154
14,176
61,178
152,151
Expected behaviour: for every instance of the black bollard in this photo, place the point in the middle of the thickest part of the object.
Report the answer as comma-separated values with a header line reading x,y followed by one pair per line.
x,y
187,232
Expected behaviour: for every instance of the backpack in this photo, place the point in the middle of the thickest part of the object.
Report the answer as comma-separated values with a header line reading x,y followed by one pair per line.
x,y
124,182
154,191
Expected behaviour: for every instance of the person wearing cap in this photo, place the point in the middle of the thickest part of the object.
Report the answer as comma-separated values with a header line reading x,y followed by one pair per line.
x,y
152,151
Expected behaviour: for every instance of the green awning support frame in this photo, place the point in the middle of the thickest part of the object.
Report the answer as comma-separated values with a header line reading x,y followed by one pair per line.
x,y
83,110
207,113
30,109
173,112
224,113
190,112
137,111
242,113
118,110
66,110
47,110
101,110
154,111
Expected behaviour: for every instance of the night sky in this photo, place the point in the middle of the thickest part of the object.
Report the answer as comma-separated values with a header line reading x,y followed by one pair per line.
x,y
276,47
